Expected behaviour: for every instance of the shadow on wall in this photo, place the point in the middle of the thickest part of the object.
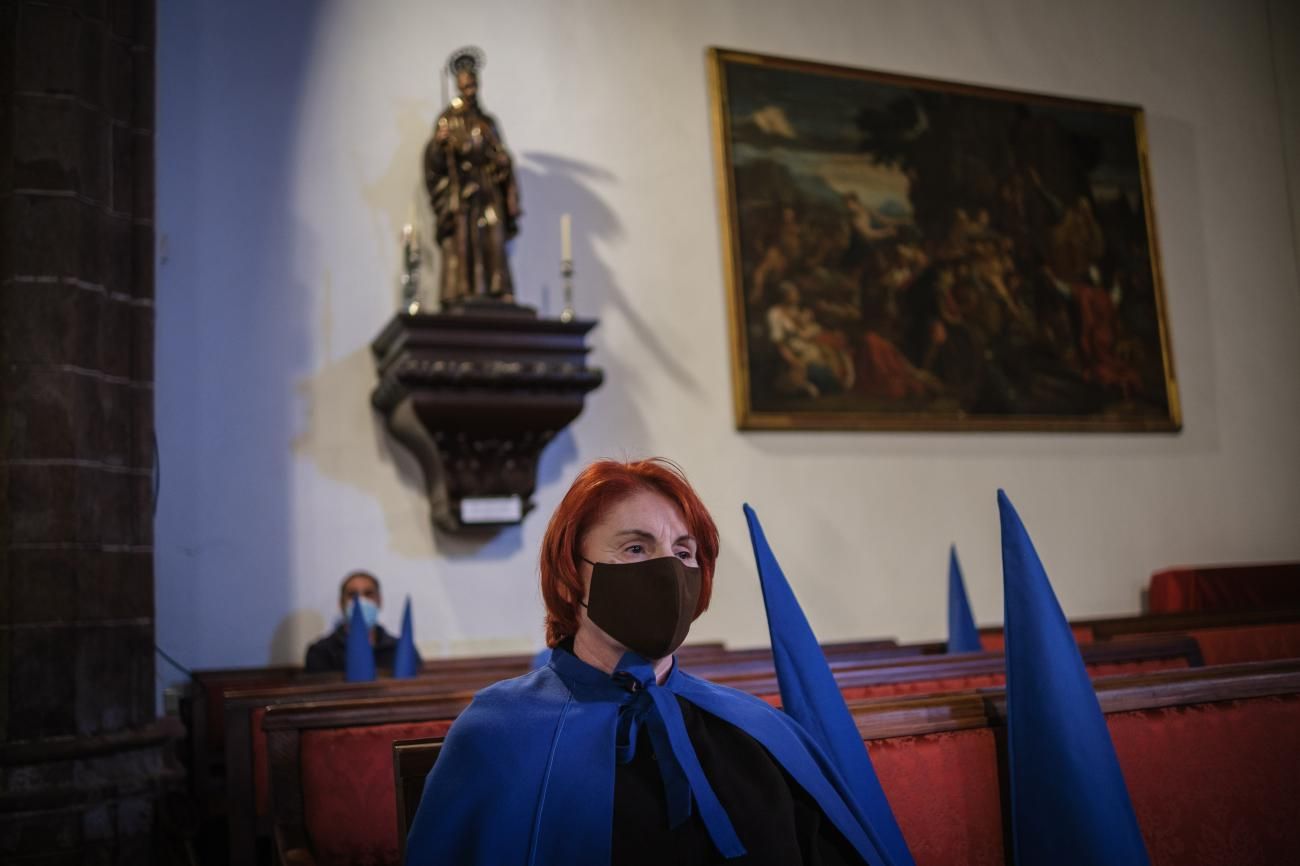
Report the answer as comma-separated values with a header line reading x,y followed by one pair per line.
x,y
346,439
554,185
295,633
554,181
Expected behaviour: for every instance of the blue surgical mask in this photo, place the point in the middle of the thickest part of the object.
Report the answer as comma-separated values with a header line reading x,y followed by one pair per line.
x,y
369,611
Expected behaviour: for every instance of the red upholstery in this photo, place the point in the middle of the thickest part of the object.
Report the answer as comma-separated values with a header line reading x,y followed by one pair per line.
x,y
1215,783
1252,643
1273,586
1212,784
995,642
349,802
943,789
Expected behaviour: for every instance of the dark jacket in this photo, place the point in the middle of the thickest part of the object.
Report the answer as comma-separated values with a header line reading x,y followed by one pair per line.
x,y
330,653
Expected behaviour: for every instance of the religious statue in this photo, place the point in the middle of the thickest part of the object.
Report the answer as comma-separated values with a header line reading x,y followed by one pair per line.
x,y
471,184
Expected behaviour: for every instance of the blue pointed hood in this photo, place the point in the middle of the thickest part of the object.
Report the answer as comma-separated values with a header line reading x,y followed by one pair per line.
x,y
810,695
1069,803
963,636
406,663
360,665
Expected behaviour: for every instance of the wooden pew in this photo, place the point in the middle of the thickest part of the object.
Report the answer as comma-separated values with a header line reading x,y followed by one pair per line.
x,y
1252,586
204,712
1225,638
959,739
891,676
207,713
1105,628
248,813
313,729
413,761
1169,728
248,817
203,708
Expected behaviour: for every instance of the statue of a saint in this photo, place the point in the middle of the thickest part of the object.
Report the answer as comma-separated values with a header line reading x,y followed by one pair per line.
x,y
471,184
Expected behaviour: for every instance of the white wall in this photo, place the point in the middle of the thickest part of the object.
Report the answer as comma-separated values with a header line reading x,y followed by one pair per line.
x,y
288,156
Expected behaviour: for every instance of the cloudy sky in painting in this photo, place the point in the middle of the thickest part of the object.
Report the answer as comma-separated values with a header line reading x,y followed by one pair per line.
x,y
806,122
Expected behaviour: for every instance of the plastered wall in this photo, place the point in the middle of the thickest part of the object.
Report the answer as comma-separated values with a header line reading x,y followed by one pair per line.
x,y
289,137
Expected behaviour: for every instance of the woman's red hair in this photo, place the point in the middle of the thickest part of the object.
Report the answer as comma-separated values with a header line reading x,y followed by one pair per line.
x,y
594,491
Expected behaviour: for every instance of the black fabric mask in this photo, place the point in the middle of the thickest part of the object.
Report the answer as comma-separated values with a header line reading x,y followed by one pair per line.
x,y
646,606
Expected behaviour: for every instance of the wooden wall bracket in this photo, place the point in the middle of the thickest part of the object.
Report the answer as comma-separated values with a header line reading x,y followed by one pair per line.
x,y
475,393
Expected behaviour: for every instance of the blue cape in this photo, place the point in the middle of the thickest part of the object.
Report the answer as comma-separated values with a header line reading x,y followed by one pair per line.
x,y
526,775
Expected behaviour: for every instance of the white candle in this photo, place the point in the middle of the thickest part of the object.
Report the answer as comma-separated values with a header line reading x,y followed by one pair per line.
x,y
566,238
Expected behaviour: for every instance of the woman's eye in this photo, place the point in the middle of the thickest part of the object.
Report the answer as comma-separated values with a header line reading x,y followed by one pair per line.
x,y
685,555
635,548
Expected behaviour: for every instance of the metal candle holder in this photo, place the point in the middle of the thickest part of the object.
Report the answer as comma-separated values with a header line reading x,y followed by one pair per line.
x,y
566,271
410,280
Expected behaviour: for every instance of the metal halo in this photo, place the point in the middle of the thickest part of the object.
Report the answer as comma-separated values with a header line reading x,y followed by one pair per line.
x,y
468,59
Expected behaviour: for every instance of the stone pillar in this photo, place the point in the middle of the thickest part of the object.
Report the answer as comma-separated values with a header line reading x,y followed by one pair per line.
x,y
81,753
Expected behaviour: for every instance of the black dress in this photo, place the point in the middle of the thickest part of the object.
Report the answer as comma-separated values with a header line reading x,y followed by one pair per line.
x,y
776,820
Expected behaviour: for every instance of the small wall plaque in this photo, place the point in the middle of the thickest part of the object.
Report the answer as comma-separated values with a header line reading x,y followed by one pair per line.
x,y
491,509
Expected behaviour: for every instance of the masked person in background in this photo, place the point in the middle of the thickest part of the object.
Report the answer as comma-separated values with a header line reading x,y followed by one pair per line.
x,y
610,753
330,652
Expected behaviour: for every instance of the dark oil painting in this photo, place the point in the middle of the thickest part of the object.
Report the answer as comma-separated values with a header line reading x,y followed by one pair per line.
x,y
912,254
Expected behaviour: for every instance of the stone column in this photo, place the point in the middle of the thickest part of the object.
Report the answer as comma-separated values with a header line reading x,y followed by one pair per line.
x,y
81,753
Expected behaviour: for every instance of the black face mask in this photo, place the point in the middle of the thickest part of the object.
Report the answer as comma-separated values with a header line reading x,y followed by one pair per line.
x,y
646,606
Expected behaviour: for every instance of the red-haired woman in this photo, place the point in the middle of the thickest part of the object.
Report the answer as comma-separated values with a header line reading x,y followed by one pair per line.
x,y
611,754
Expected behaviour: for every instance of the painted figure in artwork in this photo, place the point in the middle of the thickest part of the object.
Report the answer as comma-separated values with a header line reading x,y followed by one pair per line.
x,y
470,178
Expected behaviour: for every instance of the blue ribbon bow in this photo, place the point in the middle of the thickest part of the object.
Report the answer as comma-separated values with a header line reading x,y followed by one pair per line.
x,y
643,701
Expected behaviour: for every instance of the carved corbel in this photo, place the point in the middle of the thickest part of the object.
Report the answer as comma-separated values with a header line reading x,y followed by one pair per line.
x,y
475,395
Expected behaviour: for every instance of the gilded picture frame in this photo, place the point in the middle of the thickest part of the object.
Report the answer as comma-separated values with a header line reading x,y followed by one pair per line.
x,y
904,253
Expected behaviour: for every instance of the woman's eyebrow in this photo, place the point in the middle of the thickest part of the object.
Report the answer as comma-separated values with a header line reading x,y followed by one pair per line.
x,y
685,538
635,533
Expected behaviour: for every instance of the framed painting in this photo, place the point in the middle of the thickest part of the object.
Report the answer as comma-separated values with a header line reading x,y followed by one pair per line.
x,y
911,254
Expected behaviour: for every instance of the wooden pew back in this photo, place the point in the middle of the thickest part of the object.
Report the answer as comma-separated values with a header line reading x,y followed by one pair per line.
x,y
308,735
1252,586
1210,757
248,815
1106,628
242,706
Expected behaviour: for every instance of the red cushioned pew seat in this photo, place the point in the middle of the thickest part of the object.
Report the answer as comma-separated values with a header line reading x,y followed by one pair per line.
x,y
943,788
1223,646
1215,784
1186,588
347,778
